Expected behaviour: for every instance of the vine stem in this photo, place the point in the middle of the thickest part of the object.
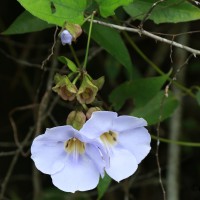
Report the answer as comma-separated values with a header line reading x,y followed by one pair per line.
x,y
155,67
88,41
177,142
75,56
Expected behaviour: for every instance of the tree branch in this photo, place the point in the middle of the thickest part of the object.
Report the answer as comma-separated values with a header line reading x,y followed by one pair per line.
x,y
148,34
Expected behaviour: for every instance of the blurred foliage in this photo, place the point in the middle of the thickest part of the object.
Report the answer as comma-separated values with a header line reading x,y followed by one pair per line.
x,y
170,11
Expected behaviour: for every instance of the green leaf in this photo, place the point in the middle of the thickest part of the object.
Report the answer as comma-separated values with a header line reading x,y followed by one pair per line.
x,y
110,71
170,11
111,41
156,107
26,23
141,90
68,63
107,7
53,193
198,96
56,11
103,186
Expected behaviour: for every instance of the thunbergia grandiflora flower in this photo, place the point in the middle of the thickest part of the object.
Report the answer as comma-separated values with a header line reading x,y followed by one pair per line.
x,y
125,139
66,37
74,161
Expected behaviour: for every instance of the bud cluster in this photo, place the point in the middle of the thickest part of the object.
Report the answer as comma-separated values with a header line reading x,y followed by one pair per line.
x,y
77,86
82,88
78,118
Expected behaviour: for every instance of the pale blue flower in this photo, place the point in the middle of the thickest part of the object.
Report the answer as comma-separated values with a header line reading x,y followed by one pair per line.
x,y
73,161
66,37
126,140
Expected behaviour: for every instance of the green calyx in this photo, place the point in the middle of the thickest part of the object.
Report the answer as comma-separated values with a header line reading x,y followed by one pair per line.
x,y
74,29
87,91
76,119
65,89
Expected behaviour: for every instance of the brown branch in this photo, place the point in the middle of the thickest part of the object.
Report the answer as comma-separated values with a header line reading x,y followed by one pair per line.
x,y
19,61
174,151
41,115
13,162
9,153
149,13
157,148
14,127
150,35
52,49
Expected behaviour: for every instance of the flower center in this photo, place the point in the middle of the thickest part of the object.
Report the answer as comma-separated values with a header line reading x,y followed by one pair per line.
x,y
74,146
66,94
109,138
87,93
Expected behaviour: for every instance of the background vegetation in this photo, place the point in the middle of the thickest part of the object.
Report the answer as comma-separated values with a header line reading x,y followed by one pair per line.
x,y
144,77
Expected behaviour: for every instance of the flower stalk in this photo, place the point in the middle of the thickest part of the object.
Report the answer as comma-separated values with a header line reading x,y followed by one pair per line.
x,y
88,41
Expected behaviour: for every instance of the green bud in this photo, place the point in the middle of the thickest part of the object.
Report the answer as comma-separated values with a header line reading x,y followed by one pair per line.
x,y
87,91
74,29
76,119
91,110
65,89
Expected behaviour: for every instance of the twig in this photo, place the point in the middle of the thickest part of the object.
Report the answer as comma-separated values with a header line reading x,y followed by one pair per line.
x,y
15,134
52,49
158,126
41,116
148,34
157,148
155,67
10,153
14,160
94,52
7,144
173,172
149,13
19,61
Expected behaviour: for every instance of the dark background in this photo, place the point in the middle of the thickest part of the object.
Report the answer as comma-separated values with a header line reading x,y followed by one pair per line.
x,y
23,85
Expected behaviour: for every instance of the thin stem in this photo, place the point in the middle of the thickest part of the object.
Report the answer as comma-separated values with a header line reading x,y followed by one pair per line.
x,y
155,67
157,149
52,49
195,52
88,41
181,143
84,106
75,56
131,42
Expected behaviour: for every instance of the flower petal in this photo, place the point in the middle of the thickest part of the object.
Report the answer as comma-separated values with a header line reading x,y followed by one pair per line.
x,y
137,141
66,37
122,164
77,176
122,123
94,153
48,157
100,122
48,149
59,133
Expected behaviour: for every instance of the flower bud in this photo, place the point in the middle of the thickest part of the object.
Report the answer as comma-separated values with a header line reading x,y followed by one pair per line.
x,y
66,37
74,29
87,91
91,110
76,119
65,89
